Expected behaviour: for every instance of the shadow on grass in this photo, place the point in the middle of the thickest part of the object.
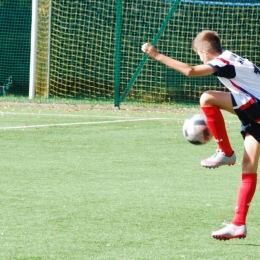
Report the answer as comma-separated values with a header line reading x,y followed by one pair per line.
x,y
243,245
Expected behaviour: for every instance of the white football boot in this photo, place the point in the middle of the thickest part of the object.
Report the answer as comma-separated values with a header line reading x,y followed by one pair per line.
x,y
219,158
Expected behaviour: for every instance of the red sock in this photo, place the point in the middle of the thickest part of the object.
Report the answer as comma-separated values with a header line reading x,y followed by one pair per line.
x,y
217,126
245,195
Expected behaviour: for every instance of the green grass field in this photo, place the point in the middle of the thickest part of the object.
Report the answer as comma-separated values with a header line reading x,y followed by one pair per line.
x,y
97,184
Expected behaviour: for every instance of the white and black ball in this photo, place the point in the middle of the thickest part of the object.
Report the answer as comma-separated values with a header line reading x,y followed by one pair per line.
x,y
195,129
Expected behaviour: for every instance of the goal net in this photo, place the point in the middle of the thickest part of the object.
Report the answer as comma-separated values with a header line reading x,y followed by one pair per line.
x,y
86,48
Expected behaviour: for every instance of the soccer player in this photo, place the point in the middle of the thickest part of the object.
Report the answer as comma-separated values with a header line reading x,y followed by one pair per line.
x,y
242,78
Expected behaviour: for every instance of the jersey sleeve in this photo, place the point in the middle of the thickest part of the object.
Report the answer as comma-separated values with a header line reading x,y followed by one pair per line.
x,y
222,69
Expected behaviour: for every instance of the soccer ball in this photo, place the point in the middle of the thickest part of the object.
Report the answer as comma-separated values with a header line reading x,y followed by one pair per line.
x,y
196,130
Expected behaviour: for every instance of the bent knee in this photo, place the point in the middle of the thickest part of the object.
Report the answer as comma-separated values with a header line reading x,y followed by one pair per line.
x,y
206,98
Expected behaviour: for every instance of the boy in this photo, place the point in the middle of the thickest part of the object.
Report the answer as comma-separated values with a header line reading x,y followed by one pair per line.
x,y
242,78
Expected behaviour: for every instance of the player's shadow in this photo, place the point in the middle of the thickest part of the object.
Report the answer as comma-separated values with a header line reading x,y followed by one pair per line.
x,y
244,245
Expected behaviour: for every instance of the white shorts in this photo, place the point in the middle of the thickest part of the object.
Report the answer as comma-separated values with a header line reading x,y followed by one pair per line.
x,y
241,100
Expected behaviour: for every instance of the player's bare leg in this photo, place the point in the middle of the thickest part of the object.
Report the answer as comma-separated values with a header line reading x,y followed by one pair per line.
x,y
237,228
217,98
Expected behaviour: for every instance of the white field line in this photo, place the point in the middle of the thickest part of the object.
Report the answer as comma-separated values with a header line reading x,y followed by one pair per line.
x,y
65,115
79,123
128,119
174,117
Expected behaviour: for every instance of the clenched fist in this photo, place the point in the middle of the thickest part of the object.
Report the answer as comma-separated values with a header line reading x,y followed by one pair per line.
x,y
150,50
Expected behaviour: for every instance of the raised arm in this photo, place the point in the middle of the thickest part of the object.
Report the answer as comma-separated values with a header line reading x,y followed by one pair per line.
x,y
183,68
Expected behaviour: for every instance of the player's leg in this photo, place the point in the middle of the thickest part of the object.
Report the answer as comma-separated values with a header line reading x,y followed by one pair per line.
x,y
211,103
249,179
237,228
220,99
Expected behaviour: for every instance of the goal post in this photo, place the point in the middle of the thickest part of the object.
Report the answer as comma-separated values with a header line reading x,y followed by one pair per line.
x,y
33,54
118,53
43,54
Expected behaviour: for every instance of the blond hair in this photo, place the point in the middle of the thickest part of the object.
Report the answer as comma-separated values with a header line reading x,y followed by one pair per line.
x,y
207,41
